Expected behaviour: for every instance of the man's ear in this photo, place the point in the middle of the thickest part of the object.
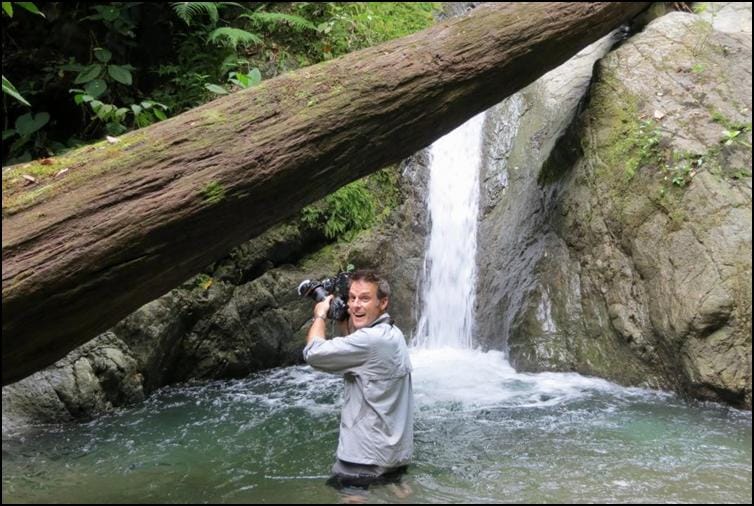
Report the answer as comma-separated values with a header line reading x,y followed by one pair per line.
x,y
384,303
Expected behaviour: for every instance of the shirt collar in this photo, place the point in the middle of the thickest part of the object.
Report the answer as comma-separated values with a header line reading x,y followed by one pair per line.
x,y
383,318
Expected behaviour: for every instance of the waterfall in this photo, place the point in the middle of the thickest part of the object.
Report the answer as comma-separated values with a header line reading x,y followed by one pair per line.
x,y
449,275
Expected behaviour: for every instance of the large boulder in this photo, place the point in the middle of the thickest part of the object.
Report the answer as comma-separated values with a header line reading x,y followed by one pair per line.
x,y
625,250
94,378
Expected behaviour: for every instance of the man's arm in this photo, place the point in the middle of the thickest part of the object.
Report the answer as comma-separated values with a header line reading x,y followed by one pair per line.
x,y
318,328
338,355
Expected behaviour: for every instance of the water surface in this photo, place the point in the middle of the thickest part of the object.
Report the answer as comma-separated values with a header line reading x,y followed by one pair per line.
x,y
483,433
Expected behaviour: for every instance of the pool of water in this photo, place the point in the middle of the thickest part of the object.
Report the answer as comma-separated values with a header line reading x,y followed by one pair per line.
x,y
483,433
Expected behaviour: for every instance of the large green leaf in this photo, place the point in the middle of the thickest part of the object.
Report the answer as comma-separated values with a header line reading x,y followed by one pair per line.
x,y
105,111
120,74
96,87
93,71
30,123
219,90
11,90
255,77
102,55
29,6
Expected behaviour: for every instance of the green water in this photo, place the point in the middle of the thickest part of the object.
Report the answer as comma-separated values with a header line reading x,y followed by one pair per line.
x,y
270,438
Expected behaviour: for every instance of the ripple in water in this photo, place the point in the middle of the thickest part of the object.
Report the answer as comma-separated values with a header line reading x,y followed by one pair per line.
x,y
484,433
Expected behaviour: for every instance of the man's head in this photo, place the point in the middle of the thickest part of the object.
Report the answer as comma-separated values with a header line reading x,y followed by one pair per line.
x,y
368,298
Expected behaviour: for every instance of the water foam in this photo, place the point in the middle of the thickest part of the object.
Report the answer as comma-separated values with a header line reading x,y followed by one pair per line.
x,y
471,380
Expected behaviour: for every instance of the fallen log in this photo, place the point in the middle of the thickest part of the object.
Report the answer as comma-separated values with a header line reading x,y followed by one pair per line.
x,y
117,224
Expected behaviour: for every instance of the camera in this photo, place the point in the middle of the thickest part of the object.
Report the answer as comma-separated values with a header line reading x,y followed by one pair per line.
x,y
337,286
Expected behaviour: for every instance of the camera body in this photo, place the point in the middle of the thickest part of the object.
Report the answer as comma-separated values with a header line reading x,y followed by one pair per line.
x,y
337,286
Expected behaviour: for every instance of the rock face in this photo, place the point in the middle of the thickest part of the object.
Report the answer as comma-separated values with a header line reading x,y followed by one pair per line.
x,y
92,379
624,251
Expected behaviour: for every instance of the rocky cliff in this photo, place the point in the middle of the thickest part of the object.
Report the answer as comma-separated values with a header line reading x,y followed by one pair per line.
x,y
624,249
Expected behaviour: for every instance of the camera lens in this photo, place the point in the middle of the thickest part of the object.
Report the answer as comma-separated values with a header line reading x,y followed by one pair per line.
x,y
319,293
303,288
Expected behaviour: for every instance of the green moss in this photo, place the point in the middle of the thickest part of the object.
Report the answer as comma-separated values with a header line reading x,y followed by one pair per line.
x,y
213,192
729,123
82,165
631,154
201,281
213,115
629,141
333,258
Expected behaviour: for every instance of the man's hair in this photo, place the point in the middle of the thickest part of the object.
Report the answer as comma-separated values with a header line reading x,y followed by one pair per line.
x,y
370,276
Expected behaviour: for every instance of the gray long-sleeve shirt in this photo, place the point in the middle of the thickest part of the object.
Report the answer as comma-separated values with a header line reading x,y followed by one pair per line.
x,y
377,421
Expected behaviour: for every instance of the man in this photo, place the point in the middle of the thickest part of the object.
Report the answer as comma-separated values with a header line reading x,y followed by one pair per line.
x,y
376,426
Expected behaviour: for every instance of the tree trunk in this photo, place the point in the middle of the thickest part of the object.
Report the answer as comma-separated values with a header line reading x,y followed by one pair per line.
x,y
132,219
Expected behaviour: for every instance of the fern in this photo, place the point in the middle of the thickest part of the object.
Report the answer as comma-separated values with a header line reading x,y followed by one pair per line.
x,y
187,10
341,215
233,37
270,18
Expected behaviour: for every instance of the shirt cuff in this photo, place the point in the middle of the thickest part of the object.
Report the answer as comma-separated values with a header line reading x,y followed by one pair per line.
x,y
315,341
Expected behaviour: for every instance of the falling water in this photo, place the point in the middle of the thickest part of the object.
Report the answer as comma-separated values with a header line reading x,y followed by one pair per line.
x,y
450,261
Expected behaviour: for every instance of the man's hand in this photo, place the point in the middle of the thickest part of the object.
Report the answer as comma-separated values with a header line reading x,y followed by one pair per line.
x,y
322,308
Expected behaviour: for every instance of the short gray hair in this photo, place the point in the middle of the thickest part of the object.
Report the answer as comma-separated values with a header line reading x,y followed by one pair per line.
x,y
370,276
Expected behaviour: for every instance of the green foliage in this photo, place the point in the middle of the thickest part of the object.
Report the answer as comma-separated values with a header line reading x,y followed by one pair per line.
x,y
731,136
641,146
11,90
270,19
188,10
98,78
681,169
8,87
233,37
117,17
733,130
202,281
216,89
91,52
29,6
356,25
248,80
356,206
28,130
183,80
29,123
95,76
344,213
238,79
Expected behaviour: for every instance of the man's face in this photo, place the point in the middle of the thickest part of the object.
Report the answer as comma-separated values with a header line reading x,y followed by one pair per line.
x,y
363,304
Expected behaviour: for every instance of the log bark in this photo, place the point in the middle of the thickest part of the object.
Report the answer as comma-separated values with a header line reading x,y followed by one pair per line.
x,y
130,220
